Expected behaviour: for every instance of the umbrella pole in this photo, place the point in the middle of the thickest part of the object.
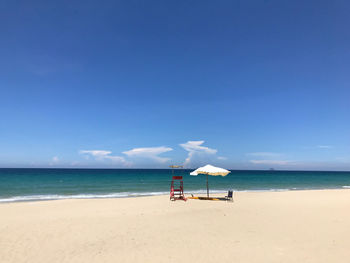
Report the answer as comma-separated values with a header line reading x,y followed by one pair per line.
x,y
207,187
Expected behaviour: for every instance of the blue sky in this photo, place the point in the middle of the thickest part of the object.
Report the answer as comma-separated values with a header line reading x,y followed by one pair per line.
x,y
239,84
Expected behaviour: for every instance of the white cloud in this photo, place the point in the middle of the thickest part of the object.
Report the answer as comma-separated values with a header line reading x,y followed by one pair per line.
x,y
149,153
196,151
271,162
192,146
75,163
265,154
222,158
343,159
116,159
268,158
55,160
102,155
324,146
96,153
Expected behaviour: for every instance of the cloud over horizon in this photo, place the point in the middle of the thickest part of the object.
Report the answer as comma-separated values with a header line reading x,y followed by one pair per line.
x,y
265,154
102,155
324,146
149,153
271,162
54,161
197,154
268,158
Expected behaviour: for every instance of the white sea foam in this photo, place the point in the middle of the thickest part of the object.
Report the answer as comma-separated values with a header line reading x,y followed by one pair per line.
x,y
93,196
78,196
27,198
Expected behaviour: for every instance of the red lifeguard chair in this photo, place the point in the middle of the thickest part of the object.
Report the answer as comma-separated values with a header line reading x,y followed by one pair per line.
x,y
177,187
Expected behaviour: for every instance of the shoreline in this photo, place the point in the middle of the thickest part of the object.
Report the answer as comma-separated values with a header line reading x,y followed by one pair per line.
x,y
45,198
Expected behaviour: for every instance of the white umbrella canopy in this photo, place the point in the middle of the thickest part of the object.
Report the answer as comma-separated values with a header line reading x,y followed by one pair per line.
x,y
210,170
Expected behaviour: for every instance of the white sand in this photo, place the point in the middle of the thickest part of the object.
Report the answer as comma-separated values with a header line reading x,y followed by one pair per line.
x,y
296,226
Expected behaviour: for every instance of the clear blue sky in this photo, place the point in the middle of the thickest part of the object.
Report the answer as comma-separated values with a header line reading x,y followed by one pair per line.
x,y
239,84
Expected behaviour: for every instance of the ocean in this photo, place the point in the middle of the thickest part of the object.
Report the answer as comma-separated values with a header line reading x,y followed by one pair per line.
x,y
50,184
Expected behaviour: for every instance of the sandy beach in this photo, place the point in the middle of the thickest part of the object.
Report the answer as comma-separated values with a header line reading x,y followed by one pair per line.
x,y
293,226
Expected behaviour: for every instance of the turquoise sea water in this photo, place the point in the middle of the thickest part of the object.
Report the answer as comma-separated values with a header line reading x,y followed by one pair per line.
x,y
47,184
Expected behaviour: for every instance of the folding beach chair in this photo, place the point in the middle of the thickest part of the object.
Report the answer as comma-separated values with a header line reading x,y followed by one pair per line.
x,y
229,196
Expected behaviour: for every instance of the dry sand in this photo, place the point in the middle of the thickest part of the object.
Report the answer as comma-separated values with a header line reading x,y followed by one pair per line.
x,y
295,226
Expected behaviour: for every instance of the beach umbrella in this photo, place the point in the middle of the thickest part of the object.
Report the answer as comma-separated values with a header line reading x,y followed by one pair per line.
x,y
210,170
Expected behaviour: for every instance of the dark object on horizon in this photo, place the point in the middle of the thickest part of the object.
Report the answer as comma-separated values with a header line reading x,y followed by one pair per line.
x,y
272,169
